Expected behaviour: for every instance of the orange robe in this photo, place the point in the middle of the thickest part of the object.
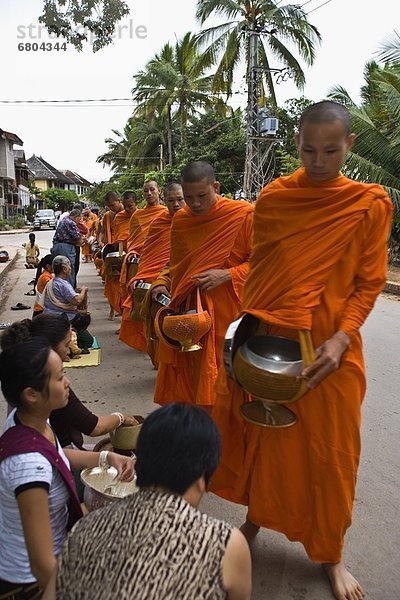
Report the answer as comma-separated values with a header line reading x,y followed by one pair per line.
x,y
138,229
221,239
121,227
318,263
86,251
119,233
154,256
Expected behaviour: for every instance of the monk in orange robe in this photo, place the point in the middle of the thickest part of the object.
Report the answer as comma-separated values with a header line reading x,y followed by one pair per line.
x,y
119,237
86,248
114,206
318,264
210,248
138,229
153,258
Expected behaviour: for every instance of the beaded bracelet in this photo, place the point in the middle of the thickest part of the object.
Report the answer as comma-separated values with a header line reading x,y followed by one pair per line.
x,y
120,417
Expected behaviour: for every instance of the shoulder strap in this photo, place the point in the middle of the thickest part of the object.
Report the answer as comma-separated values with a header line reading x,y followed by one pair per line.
x,y
21,439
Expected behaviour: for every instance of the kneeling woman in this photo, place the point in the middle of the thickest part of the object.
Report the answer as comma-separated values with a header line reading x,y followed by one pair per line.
x,y
38,499
74,419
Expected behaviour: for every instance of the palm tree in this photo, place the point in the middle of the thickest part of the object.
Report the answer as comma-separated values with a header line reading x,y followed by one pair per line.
x,y
375,155
390,50
145,142
116,156
277,27
173,85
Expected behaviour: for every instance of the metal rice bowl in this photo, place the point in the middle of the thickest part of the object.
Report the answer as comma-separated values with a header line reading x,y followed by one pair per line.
x,y
102,487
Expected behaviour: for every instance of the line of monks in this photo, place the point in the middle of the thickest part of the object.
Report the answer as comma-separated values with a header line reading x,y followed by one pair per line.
x,y
311,255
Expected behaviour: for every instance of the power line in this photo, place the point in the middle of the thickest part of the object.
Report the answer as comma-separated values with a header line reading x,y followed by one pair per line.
x,y
103,100
318,7
305,3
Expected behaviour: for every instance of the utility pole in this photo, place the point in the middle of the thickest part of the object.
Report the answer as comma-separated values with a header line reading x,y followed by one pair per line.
x,y
260,142
251,168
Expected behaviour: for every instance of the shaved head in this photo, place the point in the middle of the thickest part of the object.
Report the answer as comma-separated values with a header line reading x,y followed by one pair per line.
x,y
111,197
130,195
198,170
326,112
172,185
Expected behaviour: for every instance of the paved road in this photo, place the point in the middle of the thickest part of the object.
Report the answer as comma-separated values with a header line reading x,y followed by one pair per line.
x,y
125,379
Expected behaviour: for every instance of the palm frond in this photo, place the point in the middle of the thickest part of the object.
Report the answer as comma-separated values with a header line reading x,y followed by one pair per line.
x,y
390,49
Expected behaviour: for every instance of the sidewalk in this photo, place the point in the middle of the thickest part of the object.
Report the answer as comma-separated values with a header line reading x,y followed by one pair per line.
x,y
393,280
13,231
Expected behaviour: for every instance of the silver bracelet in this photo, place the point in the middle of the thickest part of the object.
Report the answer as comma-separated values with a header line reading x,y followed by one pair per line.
x,y
103,459
120,417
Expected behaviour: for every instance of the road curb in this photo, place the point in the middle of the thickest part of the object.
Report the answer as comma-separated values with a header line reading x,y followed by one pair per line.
x,y
15,231
392,287
9,264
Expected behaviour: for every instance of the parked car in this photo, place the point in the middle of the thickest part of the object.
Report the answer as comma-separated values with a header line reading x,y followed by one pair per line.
x,y
45,217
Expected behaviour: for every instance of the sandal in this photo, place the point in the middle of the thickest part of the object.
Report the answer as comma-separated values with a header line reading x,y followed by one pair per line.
x,y
20,306
30,293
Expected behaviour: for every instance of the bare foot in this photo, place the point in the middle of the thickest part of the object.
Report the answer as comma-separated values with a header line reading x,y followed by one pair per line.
x,y
111,315
249,531
344,585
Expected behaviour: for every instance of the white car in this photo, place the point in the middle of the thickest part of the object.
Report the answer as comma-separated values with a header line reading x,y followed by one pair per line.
x,y
45,216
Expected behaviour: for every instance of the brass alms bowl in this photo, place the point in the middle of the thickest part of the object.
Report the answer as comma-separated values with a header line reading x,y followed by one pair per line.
x,y
269,367
139,294
187,329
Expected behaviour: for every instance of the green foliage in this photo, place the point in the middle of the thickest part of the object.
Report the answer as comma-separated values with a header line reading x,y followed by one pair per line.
x,y
59,199
19,222
96,194
278,27
30,212
287,163
375,155
81,21
286,158
220,141
171,90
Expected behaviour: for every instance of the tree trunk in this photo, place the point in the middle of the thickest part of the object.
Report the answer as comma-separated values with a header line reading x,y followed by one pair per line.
x,y
169,140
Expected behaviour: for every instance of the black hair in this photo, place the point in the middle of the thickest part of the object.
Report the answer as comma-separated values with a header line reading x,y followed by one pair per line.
x,y
171,185
24,365
52,328
326,111
111,197
130,195
196,171
44,262
32,238
177,444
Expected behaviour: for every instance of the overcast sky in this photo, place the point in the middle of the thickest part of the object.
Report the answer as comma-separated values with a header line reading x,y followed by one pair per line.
x,y
72,136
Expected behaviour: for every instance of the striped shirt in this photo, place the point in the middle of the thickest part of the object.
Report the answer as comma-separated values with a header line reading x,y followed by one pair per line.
x,y
18,473
152,545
